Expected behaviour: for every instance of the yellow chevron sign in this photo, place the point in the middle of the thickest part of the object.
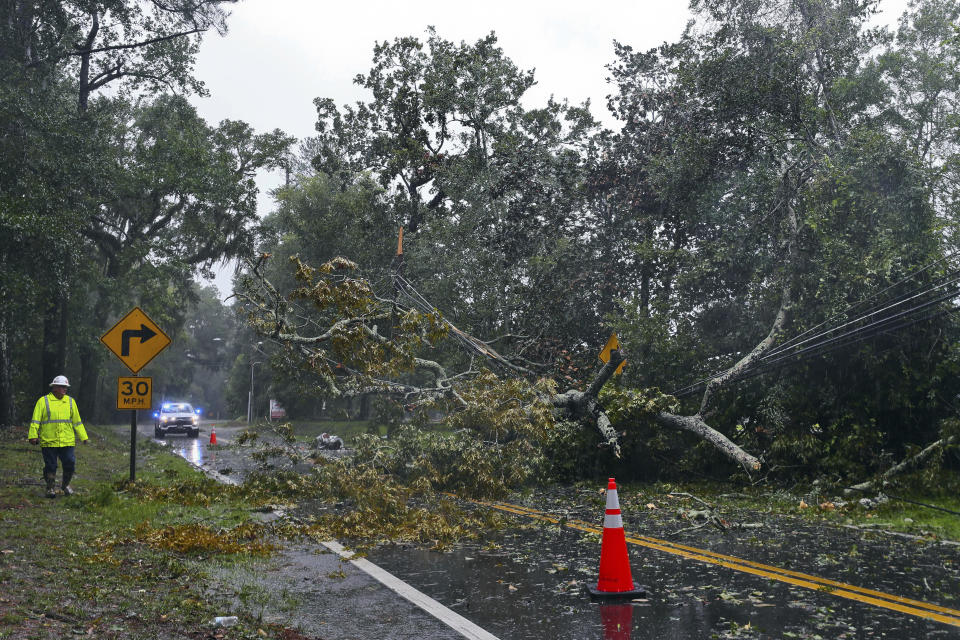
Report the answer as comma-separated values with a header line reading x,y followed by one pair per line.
x,y
612,344
136,340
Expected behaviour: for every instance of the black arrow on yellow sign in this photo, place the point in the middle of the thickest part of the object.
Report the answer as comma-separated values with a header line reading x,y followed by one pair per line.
x,y
144,333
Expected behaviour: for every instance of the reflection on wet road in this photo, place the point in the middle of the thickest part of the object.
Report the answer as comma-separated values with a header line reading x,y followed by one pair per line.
x,y
195,450
840,589
527,582
192,449
531,588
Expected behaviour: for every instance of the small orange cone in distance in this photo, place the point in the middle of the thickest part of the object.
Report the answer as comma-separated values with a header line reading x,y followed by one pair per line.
x,y
213,435
615,580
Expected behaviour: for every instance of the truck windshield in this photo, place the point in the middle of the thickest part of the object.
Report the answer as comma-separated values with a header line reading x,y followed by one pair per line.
x,y
177,408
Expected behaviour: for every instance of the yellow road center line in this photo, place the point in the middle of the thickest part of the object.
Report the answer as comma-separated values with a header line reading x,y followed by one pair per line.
x,y
823,581
840,589
788,572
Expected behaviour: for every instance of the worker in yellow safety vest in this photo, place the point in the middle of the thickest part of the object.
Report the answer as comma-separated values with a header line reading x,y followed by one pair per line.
x,y
55,426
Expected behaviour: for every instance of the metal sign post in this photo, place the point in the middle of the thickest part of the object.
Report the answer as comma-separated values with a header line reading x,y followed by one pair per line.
x,y
133,445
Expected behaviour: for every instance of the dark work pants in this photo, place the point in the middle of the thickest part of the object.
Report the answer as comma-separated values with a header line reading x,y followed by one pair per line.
x,y
67,458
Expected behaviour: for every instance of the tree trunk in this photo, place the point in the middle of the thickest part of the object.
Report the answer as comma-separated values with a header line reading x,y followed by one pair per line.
x,y
83,92
55,339
85,393
92,356
7,410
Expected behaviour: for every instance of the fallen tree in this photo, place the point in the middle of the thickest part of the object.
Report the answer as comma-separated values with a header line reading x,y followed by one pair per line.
x,y
340,339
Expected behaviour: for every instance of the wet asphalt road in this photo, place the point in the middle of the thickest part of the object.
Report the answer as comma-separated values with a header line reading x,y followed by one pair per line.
x,y
527,582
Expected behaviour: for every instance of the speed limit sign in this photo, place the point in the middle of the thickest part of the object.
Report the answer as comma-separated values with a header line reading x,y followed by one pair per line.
x,y
134,392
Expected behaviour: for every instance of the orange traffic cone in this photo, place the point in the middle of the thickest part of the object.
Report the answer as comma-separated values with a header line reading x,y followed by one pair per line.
x,y
615,580
213,435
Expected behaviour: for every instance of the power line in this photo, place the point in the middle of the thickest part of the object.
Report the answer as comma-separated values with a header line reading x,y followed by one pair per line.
x,y
789,360
919,504
786,361
870,330
906,278
872,325
471,343
917,293
786,346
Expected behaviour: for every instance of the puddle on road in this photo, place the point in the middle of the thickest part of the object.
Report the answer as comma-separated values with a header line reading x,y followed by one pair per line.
x,y
523,592
191,449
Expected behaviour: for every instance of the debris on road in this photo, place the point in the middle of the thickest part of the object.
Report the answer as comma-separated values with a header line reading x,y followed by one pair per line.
x,y
329,442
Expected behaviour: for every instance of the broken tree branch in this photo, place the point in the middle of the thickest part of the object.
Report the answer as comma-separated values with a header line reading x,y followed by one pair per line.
x,y
584,404
905,465
696,425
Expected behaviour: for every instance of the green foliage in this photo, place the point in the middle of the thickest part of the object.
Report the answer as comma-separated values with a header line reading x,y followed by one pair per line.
x,y
500,409
380,507
488,191
107,201
744,123
626,406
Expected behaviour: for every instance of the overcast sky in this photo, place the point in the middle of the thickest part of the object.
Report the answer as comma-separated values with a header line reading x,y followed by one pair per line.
x,y
281,54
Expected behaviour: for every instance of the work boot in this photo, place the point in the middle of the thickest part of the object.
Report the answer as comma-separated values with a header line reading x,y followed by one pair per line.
x,y
51,483
65,485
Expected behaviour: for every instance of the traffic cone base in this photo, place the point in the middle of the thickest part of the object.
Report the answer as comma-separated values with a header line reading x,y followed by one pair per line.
x,y
615,580
596,594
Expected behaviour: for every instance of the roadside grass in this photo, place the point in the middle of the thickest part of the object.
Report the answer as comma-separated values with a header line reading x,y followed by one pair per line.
x,y
919,520
831,507
348,430
117,560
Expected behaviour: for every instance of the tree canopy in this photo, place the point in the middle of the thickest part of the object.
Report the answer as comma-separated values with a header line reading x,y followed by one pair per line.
x,y
768,229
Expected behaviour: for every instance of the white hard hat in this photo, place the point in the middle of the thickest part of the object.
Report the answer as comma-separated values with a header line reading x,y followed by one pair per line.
x,y
60,381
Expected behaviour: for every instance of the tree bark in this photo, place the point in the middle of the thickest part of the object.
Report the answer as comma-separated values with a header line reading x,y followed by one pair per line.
x,y
91,361
54,356
84,89
696,425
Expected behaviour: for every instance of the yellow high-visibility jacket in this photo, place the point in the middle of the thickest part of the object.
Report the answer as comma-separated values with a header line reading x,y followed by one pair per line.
x,y
55,422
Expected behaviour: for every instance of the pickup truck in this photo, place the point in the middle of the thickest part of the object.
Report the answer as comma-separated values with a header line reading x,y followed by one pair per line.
x,y
176,417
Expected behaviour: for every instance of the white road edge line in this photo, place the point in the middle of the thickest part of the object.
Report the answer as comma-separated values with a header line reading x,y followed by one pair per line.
x,y
452,619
